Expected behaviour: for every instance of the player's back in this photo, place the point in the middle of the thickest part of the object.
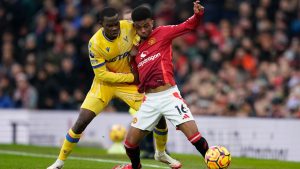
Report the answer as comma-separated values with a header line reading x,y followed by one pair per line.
x,y
114,53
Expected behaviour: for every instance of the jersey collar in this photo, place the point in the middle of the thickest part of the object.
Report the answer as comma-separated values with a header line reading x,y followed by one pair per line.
x,y
107,37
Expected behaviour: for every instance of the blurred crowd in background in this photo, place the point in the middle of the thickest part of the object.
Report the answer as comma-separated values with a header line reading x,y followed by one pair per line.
x,y
243,60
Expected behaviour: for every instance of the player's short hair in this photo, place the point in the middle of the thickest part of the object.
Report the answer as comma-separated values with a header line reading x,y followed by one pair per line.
x,y
107,12
141,13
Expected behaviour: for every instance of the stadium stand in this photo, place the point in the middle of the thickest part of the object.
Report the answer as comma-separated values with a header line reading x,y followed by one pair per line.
x,y
244,60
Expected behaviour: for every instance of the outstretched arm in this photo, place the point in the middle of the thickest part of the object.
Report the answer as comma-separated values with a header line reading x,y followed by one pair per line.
x,y
173,31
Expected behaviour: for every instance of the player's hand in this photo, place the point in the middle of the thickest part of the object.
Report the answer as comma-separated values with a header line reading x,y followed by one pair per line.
x,y
198,9
134,51
136,78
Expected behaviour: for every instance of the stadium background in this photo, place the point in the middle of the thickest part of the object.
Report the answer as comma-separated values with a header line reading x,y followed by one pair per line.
x,y
243,60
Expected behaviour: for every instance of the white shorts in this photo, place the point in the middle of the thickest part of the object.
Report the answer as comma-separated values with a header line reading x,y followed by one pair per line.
x,y
167,103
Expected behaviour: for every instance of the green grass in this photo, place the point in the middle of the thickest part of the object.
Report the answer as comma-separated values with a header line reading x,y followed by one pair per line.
x,y
41,157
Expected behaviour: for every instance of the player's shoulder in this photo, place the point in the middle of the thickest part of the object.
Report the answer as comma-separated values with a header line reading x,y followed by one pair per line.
x,y
160,30
97,38
126,24
98,35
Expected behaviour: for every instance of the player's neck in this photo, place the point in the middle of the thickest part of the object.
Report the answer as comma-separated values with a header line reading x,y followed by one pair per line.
x,y
142,40
107,37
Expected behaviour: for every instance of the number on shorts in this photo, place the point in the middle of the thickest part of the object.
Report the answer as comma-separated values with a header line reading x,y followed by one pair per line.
x,y
181,110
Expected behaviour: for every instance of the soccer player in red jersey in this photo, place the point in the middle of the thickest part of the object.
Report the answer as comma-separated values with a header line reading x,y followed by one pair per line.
x,y
162,97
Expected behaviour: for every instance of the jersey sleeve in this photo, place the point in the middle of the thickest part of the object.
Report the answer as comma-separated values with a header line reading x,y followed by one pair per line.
x,y
101,72
136,40
173,31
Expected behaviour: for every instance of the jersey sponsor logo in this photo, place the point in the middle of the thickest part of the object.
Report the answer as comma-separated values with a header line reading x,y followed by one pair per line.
x,y
151,41
119,57
148,59
144,54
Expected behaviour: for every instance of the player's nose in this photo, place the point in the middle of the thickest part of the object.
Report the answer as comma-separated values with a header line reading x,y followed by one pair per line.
x,y
143,30
115,28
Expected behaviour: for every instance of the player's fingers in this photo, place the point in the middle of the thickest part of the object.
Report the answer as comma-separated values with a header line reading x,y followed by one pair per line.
x,y
195,5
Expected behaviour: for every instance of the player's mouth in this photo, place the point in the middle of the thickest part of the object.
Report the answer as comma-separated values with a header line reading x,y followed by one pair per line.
x,y
144,36
115,34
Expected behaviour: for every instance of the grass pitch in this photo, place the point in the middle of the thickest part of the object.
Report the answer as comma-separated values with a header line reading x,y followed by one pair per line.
x,y
34,157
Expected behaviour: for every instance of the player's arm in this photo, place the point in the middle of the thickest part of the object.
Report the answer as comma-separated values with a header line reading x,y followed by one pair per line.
x,y
173,31
133,65
101,72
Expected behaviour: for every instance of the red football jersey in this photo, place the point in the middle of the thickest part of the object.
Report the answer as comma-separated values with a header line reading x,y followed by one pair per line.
x,y
154,57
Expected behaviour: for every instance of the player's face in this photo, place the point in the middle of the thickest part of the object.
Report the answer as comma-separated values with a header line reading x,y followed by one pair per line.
x,y
111,26
144,27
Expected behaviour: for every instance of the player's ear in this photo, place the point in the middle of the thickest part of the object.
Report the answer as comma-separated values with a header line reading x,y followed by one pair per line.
x,y
152,23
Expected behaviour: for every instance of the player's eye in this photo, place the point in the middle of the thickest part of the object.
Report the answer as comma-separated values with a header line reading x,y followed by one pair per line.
x,y
137,27
113,24
146,25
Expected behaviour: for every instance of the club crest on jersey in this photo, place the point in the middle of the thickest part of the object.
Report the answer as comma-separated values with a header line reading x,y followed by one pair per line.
x,y
151,41
107,49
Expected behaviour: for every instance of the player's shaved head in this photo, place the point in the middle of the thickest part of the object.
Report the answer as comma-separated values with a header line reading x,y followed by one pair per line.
x,y
141,13
108,12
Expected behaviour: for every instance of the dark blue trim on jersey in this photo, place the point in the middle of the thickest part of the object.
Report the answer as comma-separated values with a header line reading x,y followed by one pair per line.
x,y
101,64
160,132
72,140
